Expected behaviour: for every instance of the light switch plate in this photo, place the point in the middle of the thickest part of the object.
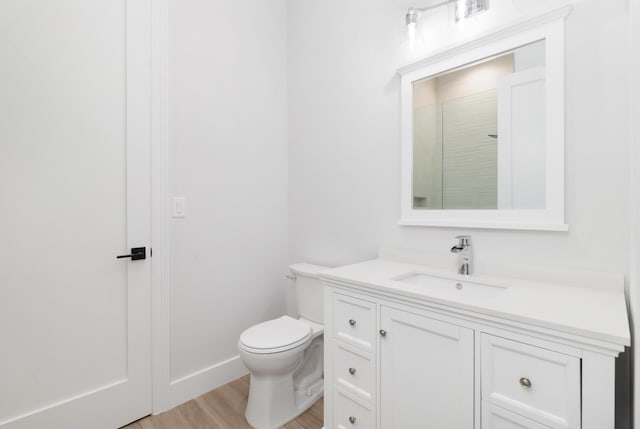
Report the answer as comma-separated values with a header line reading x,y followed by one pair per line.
x,y
179,207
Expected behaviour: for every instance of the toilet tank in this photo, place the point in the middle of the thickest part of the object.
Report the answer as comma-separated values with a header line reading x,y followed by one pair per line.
x,y
309,291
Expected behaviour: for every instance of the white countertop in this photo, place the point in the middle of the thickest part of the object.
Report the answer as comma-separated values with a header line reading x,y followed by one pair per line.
x,y
592,312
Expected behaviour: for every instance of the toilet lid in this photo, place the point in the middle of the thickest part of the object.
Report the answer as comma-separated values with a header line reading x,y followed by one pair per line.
x,y
282,333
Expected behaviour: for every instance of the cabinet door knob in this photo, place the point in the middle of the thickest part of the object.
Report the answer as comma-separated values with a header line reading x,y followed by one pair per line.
x,y
352,322
525,383
383,332
352,371
352,419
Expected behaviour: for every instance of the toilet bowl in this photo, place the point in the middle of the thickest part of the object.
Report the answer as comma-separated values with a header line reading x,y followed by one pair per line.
x,y
285,357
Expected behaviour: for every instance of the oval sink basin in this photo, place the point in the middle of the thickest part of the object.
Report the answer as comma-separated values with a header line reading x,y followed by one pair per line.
x,y
452,287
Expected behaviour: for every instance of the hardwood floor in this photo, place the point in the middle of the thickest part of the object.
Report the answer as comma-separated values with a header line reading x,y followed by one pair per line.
x,y
222,408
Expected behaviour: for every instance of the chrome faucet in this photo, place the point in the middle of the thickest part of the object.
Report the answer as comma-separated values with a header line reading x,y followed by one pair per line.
x,y
463,249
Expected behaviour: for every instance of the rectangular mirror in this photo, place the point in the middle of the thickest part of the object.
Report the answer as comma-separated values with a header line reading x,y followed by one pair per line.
x,y
483,132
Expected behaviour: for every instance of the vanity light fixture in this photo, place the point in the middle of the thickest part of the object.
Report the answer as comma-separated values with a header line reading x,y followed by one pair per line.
x,y
464,9
467,8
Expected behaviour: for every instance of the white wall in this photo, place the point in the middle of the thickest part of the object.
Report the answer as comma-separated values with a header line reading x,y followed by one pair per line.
x,y
344,155
228,157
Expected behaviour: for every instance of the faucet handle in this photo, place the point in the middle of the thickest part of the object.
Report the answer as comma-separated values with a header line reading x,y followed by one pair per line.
x,y
464,240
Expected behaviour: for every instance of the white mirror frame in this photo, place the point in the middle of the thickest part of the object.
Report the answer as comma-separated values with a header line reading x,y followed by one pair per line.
x,y
548,27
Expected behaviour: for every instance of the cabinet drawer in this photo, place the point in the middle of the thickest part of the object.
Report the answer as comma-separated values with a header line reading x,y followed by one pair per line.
x,y
536,383
354,321
354,372
349,414
494,417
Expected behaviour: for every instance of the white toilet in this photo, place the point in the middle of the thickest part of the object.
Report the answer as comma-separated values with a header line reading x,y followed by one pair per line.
x,y
285,356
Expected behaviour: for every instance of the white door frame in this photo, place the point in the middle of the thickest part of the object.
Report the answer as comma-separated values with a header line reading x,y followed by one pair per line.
x,y
160,237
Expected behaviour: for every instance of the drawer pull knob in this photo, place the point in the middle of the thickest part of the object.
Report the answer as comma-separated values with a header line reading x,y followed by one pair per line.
x,y
352,419
525,383
352,322
352,371
383,332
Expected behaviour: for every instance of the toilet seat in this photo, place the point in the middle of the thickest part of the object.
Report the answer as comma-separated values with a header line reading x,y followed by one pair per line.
x,y
275,336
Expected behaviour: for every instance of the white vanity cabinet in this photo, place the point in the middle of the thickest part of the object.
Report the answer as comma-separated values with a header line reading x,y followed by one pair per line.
x,y
395,359
421,368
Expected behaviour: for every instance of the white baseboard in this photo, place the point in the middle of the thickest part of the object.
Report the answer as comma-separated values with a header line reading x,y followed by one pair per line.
x,y
205,380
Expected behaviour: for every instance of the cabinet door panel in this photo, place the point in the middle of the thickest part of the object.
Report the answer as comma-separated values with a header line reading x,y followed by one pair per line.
x,y
427,372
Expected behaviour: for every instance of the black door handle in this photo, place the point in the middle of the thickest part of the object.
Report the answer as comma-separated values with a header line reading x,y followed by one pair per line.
x,y
137,253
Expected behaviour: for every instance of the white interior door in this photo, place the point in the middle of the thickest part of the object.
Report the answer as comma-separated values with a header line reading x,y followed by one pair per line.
x,y
74,193
521,136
